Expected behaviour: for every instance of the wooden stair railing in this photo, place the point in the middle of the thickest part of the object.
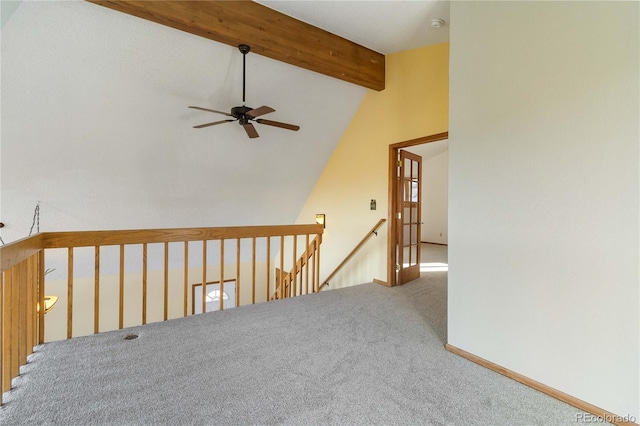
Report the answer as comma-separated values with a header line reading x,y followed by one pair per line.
x,y
362,242
288,285
246,261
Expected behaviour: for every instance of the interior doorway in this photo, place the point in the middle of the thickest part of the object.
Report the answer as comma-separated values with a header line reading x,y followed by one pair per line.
x,y
396,233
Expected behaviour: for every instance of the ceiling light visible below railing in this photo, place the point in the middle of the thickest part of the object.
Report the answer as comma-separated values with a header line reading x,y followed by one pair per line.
x,y
49,301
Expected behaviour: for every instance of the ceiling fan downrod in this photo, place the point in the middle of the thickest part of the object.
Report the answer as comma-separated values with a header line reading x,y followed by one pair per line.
x,y
244,49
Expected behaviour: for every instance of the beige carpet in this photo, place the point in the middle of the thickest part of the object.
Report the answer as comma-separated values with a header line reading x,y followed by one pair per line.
x,y
360,355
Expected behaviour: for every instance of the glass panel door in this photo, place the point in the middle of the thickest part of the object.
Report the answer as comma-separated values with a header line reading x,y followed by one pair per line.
x,y
409,216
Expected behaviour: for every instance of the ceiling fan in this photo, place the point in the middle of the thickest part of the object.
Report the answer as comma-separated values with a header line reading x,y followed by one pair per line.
x,y
244,114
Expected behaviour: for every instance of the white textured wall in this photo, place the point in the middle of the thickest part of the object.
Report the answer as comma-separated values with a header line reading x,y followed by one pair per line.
x,y
544,187
435,191
435,205
95,125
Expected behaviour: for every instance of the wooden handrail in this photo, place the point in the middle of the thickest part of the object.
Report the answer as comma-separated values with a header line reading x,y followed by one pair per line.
x,y
353,252
141,236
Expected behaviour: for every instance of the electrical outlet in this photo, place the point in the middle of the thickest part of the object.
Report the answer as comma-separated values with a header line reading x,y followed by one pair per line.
x,y
373,204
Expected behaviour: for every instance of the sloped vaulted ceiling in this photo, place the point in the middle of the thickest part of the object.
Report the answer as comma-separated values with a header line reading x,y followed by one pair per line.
x,y
95,126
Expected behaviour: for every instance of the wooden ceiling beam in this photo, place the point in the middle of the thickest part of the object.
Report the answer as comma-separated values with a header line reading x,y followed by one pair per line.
x,y
268,32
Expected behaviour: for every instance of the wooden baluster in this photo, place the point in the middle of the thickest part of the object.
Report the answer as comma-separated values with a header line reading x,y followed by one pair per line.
x,y
314,284
96,290
294,270
318,240
280,279
185,296
276,291
221,285
31,304
15,322
204,276
144,283
22,314
69,293
238,259
166,281
41,296
121,290
253,270
34,302
268,267
306,263
7,325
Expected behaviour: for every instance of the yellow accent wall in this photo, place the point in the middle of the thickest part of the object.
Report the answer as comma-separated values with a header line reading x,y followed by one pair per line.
x,y
415,103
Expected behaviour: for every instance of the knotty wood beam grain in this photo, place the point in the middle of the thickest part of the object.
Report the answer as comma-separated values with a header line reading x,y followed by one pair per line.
x,y
268,32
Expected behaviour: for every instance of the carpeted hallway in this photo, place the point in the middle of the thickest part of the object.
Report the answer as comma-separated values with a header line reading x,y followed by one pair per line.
x,y
361,355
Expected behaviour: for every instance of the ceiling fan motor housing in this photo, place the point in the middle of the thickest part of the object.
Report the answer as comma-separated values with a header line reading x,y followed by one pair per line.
x,y
240,112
